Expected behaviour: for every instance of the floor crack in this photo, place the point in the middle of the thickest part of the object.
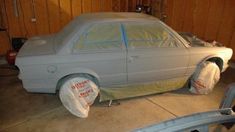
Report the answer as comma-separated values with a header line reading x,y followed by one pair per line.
x,y
161,107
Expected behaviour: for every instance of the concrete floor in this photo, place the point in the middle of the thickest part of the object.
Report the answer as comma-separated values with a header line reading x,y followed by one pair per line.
x,y
22,111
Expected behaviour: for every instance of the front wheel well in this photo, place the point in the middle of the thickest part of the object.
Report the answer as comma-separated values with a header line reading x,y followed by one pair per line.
x,y
85,75
218,61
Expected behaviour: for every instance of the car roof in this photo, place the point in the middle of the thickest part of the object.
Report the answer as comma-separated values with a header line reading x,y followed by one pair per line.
x,y
113,16
86,19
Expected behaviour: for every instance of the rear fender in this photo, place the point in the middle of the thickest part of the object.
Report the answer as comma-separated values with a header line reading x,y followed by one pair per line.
x,y
66,72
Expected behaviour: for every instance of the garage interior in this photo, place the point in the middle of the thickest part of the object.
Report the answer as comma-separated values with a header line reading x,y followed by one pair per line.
x,y
210,20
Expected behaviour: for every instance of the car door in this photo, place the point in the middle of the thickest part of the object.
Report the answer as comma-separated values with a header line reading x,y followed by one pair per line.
x,y
100,49
153,53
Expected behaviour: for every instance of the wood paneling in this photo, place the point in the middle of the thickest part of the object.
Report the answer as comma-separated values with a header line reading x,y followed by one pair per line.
x,y
124,4
208,19
132,5
188,17
106,5
4,41
41,16
168,9
13,21
3,17
178,15
95,5
227,26
86,6
214,19
65,12
200,17
27,12
76,7
53,8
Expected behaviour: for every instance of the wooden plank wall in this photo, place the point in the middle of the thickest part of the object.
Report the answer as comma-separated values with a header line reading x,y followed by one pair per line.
x,y
208,19
42,17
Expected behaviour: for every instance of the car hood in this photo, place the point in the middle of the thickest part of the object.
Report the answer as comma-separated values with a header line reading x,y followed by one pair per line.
x,y
37,46
194,41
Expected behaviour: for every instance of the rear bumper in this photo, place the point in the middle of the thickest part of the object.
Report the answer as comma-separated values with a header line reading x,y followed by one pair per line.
x,y
39,86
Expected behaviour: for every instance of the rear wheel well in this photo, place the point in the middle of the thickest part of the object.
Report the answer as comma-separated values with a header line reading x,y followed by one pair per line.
x,y
85,75
218,61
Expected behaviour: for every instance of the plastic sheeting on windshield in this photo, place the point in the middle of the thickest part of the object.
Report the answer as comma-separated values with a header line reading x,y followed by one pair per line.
x,y
142,89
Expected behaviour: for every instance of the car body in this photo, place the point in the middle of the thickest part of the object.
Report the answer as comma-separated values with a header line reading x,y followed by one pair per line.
x,y
117,49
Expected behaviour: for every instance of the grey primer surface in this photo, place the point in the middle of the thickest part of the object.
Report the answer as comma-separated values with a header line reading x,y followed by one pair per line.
x,y
117,49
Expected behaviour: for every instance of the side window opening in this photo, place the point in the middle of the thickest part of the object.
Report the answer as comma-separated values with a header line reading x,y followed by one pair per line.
x,y
105,36
148,35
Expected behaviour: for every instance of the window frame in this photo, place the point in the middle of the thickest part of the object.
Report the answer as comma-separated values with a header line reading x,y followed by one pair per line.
x,y
172,35
86,29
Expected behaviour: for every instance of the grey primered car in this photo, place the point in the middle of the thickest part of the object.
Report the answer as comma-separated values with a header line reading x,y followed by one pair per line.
x,y
114,49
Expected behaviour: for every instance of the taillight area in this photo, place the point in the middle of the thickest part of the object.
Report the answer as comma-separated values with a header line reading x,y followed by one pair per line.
x,y
11,57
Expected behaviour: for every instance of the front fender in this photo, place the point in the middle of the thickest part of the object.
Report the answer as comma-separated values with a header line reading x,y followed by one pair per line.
x,y
212,56
223,65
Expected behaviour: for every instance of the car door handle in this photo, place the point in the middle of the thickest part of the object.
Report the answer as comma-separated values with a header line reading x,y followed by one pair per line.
x,y
132,58
135,56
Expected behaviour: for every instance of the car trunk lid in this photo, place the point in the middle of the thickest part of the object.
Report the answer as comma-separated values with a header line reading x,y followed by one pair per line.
x,y
42,45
